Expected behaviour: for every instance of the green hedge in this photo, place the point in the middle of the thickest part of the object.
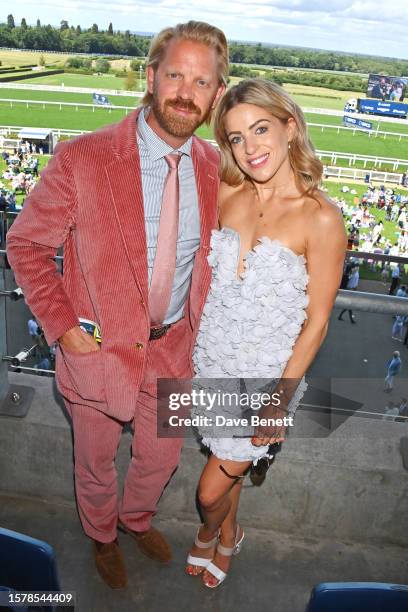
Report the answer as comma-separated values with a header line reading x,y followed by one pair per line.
x,y
31,75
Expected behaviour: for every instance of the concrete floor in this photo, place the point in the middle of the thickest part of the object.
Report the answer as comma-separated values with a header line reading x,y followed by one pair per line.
x,y
273,571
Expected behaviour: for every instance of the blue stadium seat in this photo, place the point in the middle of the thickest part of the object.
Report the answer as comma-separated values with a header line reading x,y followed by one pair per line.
x,y
358,597
27,564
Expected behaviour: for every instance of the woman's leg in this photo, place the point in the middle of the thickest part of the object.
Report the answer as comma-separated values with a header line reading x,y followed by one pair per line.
x,y
218,495
228,534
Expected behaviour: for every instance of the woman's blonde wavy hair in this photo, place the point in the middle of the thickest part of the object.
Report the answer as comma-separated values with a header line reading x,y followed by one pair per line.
x,y
273,98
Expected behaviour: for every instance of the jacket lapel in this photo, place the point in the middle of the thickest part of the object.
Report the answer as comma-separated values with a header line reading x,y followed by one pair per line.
x,y
125,184
124,178
207,183
207,189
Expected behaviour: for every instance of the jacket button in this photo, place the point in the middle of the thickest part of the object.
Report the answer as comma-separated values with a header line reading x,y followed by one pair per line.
x,y
139,345
142,301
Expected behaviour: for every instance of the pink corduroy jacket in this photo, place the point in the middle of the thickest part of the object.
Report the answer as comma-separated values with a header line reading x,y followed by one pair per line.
x,y
90,200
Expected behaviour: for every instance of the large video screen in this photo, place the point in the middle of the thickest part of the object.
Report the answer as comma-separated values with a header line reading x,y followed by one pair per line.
x,y
387,87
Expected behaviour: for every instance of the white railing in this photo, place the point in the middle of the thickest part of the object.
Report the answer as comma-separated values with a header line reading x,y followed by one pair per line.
x,y
340,113
329,171
352,158
331,156
323,126
6,130
61,104
62,89
375,133
355,174
139,94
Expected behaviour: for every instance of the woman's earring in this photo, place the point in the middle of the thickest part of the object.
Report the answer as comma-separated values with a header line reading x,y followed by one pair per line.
x,y
288,145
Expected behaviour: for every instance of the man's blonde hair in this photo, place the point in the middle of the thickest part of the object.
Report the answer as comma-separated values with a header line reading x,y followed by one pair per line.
x,y
197,31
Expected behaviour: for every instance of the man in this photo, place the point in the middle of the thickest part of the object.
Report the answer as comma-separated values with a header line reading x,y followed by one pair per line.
x,y
380,89
36,335
395,280
350,280
104,197
393,368
33,328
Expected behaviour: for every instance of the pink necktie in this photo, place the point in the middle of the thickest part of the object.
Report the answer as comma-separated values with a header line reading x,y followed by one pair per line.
x,y
165,261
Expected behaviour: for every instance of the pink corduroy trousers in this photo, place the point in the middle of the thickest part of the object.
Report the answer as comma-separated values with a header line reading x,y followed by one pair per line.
x,y
153,459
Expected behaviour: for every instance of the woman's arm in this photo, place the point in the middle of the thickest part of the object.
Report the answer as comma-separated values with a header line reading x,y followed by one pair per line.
x,y
326,242
325,250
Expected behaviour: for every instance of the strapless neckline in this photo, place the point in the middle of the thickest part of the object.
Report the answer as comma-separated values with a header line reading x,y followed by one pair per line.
x,y
261,240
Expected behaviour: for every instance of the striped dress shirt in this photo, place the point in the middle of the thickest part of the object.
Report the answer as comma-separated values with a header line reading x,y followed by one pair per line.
x,y
154,169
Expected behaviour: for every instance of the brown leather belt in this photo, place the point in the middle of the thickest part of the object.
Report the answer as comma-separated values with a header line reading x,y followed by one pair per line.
x,y
158,331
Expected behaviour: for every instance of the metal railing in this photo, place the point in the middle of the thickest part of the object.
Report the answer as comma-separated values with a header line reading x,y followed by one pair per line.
x,y
15,400
346,299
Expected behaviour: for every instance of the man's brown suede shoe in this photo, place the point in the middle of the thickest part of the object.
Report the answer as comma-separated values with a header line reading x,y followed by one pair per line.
x,y
110,564
151,542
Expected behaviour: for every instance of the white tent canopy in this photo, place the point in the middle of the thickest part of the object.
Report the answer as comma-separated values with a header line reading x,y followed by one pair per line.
x,y
34,133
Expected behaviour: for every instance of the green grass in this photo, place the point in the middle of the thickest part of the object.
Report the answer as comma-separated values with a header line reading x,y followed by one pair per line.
x,y
345,141
360,143
88,119
320,97
52,117
105,81
61,96
383,126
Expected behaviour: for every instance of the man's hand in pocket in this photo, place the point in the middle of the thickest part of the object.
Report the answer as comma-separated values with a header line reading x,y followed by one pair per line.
x,y
77,341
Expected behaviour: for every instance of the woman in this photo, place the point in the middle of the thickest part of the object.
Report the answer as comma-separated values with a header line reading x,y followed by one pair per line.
x,y
278,235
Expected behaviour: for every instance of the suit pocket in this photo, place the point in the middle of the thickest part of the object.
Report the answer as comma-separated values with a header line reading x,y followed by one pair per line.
x,y
82,373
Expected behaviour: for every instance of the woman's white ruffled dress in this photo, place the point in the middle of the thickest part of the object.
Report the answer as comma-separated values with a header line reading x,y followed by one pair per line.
x,y
248,328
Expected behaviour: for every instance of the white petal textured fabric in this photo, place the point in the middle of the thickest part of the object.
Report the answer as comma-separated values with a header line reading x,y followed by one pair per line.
x,y
248,327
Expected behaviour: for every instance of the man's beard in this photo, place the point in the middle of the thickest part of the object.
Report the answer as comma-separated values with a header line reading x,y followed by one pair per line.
x,y
174,124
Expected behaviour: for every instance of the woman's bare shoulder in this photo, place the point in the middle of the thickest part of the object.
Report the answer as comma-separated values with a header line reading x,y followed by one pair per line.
x,y
323,210
325,222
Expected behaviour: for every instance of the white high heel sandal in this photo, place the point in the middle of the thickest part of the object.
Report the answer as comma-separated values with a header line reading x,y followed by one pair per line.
x,y
201,561
227,552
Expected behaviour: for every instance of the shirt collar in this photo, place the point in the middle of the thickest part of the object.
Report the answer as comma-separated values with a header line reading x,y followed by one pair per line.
x,y
156,147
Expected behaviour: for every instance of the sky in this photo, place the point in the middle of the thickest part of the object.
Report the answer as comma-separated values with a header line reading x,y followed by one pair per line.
x,y
371,27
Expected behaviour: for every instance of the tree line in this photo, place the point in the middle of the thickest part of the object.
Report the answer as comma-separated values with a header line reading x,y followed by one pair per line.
x,y
74,39
71,39
342,82
258,54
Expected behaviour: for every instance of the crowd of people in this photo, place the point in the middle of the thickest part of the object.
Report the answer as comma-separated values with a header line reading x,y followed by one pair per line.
x,y
367,233
20,175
